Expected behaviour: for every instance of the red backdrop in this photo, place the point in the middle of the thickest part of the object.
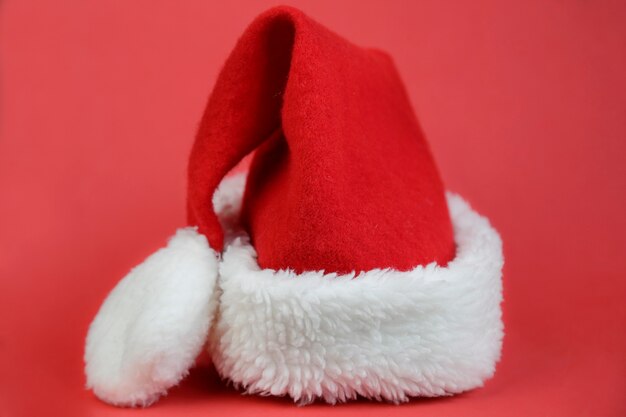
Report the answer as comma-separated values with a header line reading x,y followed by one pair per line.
x,y
524,104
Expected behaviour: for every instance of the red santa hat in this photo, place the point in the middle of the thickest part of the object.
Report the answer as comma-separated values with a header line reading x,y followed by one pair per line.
x,y
336,267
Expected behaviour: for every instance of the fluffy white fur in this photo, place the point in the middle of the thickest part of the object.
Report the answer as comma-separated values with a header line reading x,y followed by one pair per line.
x,y
382,334
154,323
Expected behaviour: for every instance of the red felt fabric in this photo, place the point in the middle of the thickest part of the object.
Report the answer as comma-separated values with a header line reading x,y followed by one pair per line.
x,y
342,178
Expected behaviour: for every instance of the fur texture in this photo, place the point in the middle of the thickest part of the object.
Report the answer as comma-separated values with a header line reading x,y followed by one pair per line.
x,y
381,334
154,323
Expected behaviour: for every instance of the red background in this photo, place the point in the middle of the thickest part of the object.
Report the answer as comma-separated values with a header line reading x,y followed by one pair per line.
x,y
524,104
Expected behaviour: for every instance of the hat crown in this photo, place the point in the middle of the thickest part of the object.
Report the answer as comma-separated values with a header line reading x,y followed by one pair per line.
x,y
342,178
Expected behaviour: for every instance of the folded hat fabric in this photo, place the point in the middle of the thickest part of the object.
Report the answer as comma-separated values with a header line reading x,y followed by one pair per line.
x,y
342,178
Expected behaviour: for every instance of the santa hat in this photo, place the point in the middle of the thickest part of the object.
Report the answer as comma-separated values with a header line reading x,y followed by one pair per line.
x,y
337,267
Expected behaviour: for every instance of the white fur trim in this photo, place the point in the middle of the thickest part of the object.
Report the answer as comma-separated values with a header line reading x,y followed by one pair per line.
x,y
154,323
383,334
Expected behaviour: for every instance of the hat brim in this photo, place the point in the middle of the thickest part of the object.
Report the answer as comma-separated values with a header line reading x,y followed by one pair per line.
x,y
381,334
152,326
